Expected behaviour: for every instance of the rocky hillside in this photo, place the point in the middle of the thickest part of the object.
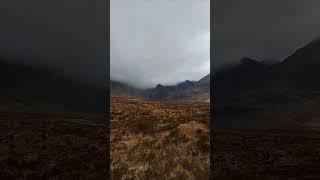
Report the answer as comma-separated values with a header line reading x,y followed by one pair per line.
x,y
185,91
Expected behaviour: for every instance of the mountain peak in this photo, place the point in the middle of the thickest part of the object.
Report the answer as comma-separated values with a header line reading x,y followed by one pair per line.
x,y
205,81
307,55
159,86
316,41
185,84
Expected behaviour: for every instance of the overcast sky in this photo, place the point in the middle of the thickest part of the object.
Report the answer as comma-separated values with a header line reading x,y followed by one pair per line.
x,y
68,36
263,29
152,41
159,41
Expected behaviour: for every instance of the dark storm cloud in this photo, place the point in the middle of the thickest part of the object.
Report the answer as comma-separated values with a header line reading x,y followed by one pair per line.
x,y
68,36
163,41
270,29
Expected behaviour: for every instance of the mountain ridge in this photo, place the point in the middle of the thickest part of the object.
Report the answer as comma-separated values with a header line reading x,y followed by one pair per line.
x,y
254,94
185,90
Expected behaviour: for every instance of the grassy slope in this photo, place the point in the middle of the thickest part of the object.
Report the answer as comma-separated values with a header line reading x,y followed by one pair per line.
x,y
159,140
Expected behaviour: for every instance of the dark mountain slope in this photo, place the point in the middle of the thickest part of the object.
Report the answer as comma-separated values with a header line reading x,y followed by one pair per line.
x,y
253,94
204,82
246,76
301,69
25,88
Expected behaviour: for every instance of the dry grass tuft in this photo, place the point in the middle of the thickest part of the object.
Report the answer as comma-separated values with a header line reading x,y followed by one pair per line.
x,y
159,140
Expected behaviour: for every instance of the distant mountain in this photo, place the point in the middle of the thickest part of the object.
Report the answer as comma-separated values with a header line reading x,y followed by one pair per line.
x,y
248,74
25,88
254,93
205,81
309,53
301,69
185,85
269,61
186,90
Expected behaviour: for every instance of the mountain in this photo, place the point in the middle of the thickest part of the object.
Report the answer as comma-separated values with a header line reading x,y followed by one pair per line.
x,y
159,92
185,85
183,91
26,88
204,82
269,61
186,90
307,55
256,94
301,69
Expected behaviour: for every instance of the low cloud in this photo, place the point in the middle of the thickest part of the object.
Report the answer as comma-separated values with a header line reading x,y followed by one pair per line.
x,y
269,29
162,42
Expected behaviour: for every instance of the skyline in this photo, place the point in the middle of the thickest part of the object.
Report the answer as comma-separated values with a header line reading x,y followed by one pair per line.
x,y
262,30
159,42
68,37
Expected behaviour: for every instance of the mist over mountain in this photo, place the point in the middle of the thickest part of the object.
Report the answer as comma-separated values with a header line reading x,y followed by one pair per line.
x,y
262,29
151,43
67,37
255,94
34,89
186,90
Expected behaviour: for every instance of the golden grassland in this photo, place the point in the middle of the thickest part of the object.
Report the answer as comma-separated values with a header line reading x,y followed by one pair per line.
x,y
52,146
159,140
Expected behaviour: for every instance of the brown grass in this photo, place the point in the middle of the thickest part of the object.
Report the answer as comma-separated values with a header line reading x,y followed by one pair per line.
x,y
159,140
52,146
266,154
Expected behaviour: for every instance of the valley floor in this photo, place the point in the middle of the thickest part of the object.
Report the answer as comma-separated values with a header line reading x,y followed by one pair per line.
x,y
52,146
150,139
159,140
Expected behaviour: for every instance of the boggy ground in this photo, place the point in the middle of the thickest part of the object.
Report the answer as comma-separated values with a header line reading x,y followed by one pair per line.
x,y
52,146
266,154
159,140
